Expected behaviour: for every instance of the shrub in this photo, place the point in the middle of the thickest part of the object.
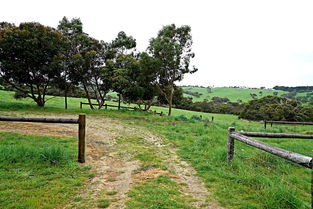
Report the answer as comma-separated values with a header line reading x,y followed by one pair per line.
x,y
181,118
275,108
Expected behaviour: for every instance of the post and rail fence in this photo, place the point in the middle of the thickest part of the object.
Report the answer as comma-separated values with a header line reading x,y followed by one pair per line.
x,y
107,105
81,121
241,136
122,107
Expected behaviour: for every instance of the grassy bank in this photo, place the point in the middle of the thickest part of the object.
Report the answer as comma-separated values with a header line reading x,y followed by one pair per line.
x,y
39,171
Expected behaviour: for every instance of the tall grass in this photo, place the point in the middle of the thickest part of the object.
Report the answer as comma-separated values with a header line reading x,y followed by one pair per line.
x,y
38,172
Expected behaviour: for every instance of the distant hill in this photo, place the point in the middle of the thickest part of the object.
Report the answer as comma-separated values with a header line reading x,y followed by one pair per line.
x,y
298,89
233,94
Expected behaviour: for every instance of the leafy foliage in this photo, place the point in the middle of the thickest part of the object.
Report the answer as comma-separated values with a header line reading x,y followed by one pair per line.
x,y
172,47
276,108
28,58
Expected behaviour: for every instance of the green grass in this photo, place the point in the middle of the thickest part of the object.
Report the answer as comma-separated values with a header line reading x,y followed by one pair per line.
x,y
253,179
233,94
157,193
139,150
252,173
103,203
38,172
261,179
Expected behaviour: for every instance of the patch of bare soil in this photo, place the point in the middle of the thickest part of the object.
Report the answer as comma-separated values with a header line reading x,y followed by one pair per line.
x,y
149,174
113,174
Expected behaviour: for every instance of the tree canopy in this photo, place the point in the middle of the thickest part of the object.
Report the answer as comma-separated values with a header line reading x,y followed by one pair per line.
x,y
276,108
28,58
172,47
35,58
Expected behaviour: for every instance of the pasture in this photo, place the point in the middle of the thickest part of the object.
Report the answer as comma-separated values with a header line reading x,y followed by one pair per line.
x,y
233,94
150,150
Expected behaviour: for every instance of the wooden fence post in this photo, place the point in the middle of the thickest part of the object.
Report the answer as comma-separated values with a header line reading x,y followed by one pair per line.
x,y
106,106
312,183
230,144
265,124
119,101
81,137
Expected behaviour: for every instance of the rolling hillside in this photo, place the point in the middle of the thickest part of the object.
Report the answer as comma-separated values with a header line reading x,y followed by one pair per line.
x,y
233,94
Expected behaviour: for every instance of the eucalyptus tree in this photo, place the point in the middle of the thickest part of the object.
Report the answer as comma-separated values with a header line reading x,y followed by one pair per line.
x,y
71,30
29,55
122,62
84,60
172,47
147,79
89,71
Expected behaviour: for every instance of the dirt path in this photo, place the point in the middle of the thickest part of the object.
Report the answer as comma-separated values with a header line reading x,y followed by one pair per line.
x,y
114,174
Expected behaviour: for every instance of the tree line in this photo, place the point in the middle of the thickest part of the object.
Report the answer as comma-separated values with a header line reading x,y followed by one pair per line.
x,y
35,59
298,89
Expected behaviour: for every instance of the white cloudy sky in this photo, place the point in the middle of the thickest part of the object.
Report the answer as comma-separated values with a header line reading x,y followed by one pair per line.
x,y
237,42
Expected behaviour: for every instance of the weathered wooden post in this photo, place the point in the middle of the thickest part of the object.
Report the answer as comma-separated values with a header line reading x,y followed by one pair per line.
x,y
212,118
265,124
106,106
81,137
312,183
230,144
119,101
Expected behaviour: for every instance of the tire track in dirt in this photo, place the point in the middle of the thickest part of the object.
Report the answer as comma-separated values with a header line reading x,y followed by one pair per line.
x,y
111,172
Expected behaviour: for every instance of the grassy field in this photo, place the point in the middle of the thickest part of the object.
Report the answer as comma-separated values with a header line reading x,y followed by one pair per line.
x,y
233,94
253,179
38,171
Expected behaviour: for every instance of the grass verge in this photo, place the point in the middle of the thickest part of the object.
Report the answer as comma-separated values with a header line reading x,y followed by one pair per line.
x,y
38,172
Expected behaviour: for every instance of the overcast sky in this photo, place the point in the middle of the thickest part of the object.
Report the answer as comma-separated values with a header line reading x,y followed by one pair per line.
x,y
250,43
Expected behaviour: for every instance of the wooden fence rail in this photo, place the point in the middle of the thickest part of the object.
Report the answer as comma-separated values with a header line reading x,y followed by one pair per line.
x,y
276,135
292,156
81,121
286,122
107,105
121,107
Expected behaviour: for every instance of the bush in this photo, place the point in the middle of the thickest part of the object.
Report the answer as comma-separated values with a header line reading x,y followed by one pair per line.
x,y
276,108
196,117
181,118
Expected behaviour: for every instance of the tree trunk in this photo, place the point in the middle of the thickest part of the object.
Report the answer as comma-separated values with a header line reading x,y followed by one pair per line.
x,y
88,96
40,102
170,101
147,106
65,99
